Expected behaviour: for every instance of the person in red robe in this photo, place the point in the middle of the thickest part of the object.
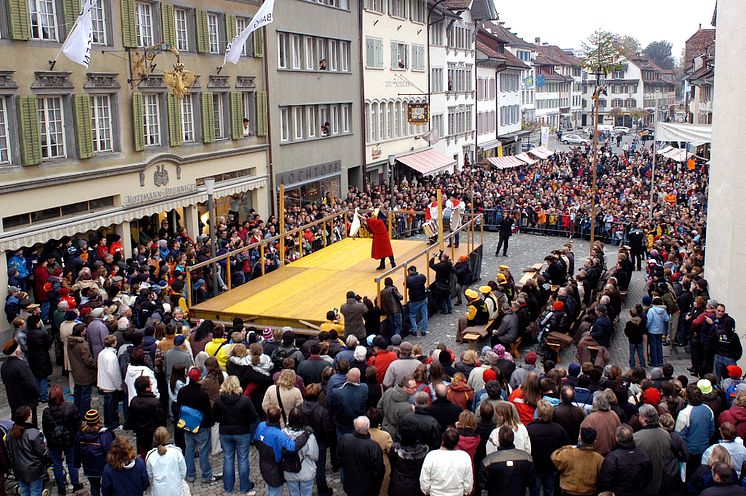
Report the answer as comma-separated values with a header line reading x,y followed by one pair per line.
x,y
381,247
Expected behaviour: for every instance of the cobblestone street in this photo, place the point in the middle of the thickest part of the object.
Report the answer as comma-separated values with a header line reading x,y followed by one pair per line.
x,y
524,251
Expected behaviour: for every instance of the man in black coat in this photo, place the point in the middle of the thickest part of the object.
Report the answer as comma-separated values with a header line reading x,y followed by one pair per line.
x,y
506,231
546,436
421,422
417,300
627,469
507,471
442,410
145,415
362,461
602,327
20,385
441,288
568,415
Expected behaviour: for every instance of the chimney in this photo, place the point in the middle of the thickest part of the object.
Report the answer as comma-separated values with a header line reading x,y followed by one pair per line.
x,y
700,25
537,40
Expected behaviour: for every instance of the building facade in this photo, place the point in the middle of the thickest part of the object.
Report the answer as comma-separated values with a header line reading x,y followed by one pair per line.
x,y
119,147
699,67
314,81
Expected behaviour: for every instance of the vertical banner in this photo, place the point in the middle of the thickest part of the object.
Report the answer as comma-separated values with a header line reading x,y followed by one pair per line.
x,y
500,151
544,136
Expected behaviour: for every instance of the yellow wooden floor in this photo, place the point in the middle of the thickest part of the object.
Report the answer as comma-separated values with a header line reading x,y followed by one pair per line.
x,y
306,289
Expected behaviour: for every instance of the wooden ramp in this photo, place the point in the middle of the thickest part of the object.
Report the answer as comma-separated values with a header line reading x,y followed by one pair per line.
x,y
302,292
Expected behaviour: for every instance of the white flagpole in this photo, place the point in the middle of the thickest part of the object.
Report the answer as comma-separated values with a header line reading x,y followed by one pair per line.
x,y
62,47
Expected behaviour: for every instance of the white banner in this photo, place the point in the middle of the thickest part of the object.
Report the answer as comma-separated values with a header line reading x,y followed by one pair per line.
x,y
78,44
262,18
544,136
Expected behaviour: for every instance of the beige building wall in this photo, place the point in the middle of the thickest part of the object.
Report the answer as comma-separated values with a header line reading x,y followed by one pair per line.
x,y
726,225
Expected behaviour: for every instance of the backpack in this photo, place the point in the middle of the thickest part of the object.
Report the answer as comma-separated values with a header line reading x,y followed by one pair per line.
x,y
730,393
279,355
60,436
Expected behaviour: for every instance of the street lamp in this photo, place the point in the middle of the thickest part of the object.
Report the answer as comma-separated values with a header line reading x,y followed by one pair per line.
x,y
210,188
392,161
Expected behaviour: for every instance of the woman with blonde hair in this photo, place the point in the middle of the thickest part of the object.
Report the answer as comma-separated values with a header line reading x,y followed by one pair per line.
x,y
701,479
166,467
283,394
506,416
125,473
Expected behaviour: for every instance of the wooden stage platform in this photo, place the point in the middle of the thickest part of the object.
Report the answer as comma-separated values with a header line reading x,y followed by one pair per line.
x,y
302,292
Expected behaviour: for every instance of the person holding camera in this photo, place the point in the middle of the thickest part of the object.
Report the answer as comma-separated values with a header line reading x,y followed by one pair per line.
x,y
353,311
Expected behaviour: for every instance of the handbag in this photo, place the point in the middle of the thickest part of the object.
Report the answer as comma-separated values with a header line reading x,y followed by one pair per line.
x,y
190,419
290,459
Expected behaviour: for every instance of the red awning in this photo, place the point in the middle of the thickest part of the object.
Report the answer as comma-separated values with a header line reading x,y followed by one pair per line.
x,y
427,162
523,156
507,162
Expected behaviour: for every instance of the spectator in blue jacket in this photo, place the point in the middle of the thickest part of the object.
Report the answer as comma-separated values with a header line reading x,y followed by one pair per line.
x,y
348,402
696,425
270,441
602,327
657,326
125,473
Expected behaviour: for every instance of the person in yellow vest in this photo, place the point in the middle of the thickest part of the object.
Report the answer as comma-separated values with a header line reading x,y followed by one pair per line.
x,y
218,347
332,323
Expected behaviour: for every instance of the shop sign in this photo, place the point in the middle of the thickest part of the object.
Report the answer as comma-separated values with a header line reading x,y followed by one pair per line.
x,y
418,113
309,173
161,194
375,152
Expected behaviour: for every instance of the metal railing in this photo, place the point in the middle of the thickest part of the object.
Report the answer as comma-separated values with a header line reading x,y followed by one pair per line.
x,y
469,227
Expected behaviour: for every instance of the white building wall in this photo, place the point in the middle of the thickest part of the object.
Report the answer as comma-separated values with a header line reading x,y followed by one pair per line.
x,y
509,103
487,116
726,224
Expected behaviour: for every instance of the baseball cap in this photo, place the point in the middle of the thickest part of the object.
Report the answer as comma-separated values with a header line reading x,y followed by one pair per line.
x,y
734,371
531,357
705,386
179,340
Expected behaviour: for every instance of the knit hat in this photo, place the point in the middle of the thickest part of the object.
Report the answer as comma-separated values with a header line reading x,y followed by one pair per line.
x,y
92,417
646,300
463,258
531,357
573,370
471,294
734,371
485,289
651,396
179,340
396,340
195,374
558,305
9,347
267,334
490,358
489,375
705,386
499,350
85,311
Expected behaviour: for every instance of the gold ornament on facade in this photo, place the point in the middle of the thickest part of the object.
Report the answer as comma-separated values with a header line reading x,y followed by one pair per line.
x,y
143,67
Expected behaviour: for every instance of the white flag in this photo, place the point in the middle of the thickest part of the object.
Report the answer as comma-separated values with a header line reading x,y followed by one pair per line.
x,y
78,44
262,18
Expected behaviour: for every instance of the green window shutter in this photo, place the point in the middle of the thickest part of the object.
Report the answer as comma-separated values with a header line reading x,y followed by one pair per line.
x,y
83,132
258,42
70,9
129,32
236,116
203,37
18,19
208,118
174,120
28,118
261,113
138,122
169,28
230,27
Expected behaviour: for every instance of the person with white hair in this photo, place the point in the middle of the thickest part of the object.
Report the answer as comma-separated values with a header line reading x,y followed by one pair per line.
x,y
403,366
361,459
604,421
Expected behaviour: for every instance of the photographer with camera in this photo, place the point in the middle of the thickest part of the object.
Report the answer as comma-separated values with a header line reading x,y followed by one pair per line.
x,y
352,311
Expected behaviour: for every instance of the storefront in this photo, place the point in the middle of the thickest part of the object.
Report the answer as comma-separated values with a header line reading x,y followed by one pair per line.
x,y
311,184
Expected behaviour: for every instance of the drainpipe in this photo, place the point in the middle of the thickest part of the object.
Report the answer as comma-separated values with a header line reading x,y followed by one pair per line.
x,y
270,168
363,124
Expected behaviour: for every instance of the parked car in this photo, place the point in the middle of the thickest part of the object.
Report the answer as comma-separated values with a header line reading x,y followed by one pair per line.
x,y
574,139
621,130
647,134
527,146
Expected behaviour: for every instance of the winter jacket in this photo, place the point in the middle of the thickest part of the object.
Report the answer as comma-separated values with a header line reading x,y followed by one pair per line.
x,y
347,403
625,471
65,416
108,374
38,343
166,472
394,404
605,424
95,334
736,415
723,490
270,441
446,473
353,311
398,369
696,425
424,427
291,398
657,320
634,330
461,395
193,396
234,413
508,471
508,331
20,385
519,376
28,454
82,364
578,468
310,369
382,360
570,417
416,287
319,419
445,412
546,438
463,273
132,480
308,455
176,356
135,371
521,440
602,330
91,449
144,416
361,458
656,443
406,464
391,300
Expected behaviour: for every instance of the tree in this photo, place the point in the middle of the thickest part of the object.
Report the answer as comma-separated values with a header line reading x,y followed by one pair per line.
x,y
601,53
629,44
660,52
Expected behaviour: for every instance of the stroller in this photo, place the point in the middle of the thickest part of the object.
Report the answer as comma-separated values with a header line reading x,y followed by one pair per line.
x,y
9,483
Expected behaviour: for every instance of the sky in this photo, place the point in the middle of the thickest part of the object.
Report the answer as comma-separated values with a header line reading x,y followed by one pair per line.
x,y
567,23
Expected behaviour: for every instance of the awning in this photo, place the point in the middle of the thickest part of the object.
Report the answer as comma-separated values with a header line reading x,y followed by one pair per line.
x,y
41,233
545,150
537,152
665,150
678,155
689,133
489,145
427,162
523,156
507,162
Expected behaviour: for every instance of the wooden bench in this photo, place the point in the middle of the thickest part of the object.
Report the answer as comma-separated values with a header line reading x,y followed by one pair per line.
x,y
473,334
528,274
515,348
